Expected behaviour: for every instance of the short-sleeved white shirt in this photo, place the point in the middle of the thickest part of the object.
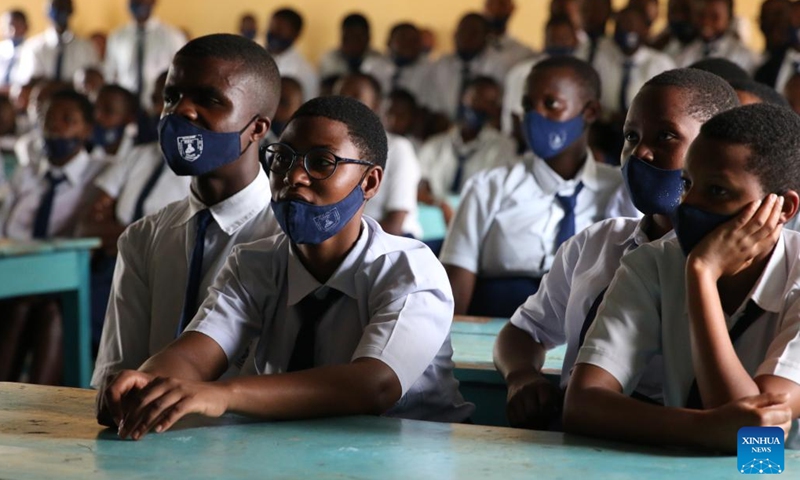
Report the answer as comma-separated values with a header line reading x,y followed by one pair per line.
x,y
39,55
508,218
583,268
398,191
439,161
728,47
396,307
414,77
152,270
291,63
644,314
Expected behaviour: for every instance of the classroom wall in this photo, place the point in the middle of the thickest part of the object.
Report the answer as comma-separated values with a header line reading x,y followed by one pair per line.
x,y
322,17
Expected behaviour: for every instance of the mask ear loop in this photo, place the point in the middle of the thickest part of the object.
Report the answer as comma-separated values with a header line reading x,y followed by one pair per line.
x,y
243,130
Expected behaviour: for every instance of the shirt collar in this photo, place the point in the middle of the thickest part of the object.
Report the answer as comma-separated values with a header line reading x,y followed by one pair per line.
x,y
639,236
551,183
300,282
73,170
768,291
51,36
236,210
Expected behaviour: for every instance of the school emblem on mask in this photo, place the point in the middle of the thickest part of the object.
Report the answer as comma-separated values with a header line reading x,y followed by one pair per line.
x,y
327,220
557,140
190,147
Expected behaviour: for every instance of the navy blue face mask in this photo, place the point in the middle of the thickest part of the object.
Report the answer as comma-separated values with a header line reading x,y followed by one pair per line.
x,y
559,51
58,16
140,11
61,148
692,225
195,151
653,190
277,44
473,119
627,41
104,137
309,224
547,138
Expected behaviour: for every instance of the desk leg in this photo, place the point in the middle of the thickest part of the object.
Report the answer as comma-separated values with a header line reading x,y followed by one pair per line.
x,y
77,328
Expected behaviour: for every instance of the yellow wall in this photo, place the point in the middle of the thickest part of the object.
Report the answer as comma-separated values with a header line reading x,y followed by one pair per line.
x,y
322,17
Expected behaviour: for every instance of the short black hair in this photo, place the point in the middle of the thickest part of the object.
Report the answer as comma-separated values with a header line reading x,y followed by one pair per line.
x,y
131,102
721,67
253,60
771,133
400,27
403,96
766,93
19,15
292,16
363,125
584,73
728,4
483,81
81,100
557,20
355,20
709,93
372,81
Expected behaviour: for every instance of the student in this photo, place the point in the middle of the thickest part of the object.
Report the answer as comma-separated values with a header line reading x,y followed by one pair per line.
x,y
349,320
284,29
353,54
400,115
139,51
739,269
29,148
395,205
680,30
722,67
115,123
774,22
55,54
45,203
405,67
221,90
664,118
715,37
248,27
14,24
89,81
451,73
510,50
290,101
449,159
650,10
511,220
573,10
596,15
750,91
782,64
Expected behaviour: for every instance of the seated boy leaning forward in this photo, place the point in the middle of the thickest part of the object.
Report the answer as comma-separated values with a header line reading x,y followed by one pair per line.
x,y
719,302
349,319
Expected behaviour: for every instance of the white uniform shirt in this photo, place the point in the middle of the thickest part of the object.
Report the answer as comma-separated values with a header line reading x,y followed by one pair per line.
x,y
152,270
621,205
125,146
398,190
583,267
396,307
291,63
29,148
507,221
125,180
438,157
445,80
510,51
609,62
334,63
161,42
39,55
644,314
787,70
9,58
29,185
728,47
413,77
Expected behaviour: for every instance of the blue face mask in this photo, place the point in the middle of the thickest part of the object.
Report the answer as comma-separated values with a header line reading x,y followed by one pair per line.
x,y
140,11
692,225
58,16
560,51
195,151
547,138
104,137
402,61
277,44
653,190
61,148
473,119
683,31
305,223
627,41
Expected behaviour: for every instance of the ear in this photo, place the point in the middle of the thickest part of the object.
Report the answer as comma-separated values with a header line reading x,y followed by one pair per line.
x,y
592,112
372,182
791,201
261,128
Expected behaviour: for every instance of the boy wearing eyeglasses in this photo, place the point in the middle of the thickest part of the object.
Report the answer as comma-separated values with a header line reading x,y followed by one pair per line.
x,y
219,98
349,320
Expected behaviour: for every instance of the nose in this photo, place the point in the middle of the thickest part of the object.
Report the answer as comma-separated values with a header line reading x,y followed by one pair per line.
x,y
183,106
297,175
643,151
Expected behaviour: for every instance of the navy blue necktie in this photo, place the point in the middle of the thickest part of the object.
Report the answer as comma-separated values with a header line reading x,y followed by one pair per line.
x,y
59,59
566,228
398,71
627,67
41,222
190,305
311,310
458,178
466,76
139,61
138,211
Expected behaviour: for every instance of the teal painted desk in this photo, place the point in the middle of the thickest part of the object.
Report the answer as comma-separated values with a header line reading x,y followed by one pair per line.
x,y
50,432
473,343
59,266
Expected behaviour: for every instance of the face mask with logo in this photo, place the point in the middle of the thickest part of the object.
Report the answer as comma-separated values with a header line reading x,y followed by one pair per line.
x,y
692,225
653,190
547,138
276,43
61,148
473,119
627,41
191,150
309,224
557,51
58,16
140,11
104,137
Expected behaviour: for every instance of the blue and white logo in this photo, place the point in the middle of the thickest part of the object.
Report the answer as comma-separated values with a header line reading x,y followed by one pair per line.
x,y
190,147
557,140
760,450
327,220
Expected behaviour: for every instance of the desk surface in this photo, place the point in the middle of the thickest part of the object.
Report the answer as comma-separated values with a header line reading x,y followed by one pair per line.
x,y
50,432
9,248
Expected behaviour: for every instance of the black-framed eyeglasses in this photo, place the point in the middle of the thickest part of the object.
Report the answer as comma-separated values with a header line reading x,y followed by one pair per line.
x,y
319,163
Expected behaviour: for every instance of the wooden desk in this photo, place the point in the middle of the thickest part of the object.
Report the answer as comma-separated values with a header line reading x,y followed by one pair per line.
x,y
473,343
59,266
50,432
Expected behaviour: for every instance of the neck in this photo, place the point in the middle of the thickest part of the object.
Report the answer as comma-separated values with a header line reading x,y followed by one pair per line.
x,y
733,289
468,134
658,226
60,29
323,259
568,163
226,181
141,23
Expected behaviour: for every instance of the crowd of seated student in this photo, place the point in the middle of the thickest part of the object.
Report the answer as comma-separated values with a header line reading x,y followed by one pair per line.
x,y
174,154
